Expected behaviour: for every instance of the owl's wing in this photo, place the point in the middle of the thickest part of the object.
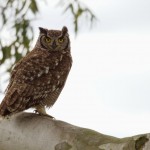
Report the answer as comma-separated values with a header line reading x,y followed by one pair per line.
x,y
27,83
13,72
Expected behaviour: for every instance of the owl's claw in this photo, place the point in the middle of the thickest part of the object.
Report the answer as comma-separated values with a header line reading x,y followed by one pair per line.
x,y
43,114
36,112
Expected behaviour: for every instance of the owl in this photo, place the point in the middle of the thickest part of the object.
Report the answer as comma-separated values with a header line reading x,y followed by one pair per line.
x,y
37,79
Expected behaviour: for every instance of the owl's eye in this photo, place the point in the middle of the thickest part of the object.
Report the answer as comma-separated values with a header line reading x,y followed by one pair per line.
x,y
60,40
48,40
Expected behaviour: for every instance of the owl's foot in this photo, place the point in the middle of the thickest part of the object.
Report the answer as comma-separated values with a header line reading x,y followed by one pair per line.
x,y
41,111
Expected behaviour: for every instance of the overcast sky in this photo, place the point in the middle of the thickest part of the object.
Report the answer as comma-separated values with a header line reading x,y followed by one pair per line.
x,y
108,86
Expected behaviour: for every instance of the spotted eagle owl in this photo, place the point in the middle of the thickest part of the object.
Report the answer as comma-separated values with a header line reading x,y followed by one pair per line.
x,y
38,79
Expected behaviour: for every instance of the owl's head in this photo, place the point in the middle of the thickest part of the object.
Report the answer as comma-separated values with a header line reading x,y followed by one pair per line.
x,y
54,40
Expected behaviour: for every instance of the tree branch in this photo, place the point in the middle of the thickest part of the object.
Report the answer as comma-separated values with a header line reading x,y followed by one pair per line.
x,y
28,131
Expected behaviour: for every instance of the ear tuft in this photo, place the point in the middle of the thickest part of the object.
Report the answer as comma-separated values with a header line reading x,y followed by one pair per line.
x,y
64,30
42,30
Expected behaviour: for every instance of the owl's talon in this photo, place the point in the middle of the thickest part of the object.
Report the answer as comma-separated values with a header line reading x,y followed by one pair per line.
x,y
35,111
43,113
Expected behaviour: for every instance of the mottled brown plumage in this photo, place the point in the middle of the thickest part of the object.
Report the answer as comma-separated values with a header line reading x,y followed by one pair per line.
x,y
38,78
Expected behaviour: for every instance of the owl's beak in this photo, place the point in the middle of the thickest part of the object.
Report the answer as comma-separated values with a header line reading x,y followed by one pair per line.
x,y
54,45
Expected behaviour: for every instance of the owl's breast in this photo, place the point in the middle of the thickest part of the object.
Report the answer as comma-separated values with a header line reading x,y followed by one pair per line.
x,y
60,71
61,62
55,79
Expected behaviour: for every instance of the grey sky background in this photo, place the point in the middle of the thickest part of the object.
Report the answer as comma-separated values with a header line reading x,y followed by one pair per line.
x,y
108,86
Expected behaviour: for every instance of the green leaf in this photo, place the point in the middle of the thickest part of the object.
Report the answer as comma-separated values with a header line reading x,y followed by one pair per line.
x,y
18,55
70,6
33,6
6,52
4,18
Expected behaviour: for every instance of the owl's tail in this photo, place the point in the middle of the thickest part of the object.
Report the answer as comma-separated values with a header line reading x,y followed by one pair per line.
x,y
7,107
3,109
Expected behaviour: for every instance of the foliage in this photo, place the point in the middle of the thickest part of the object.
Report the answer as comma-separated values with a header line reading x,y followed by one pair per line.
x,y
16,17
19,24
78,10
